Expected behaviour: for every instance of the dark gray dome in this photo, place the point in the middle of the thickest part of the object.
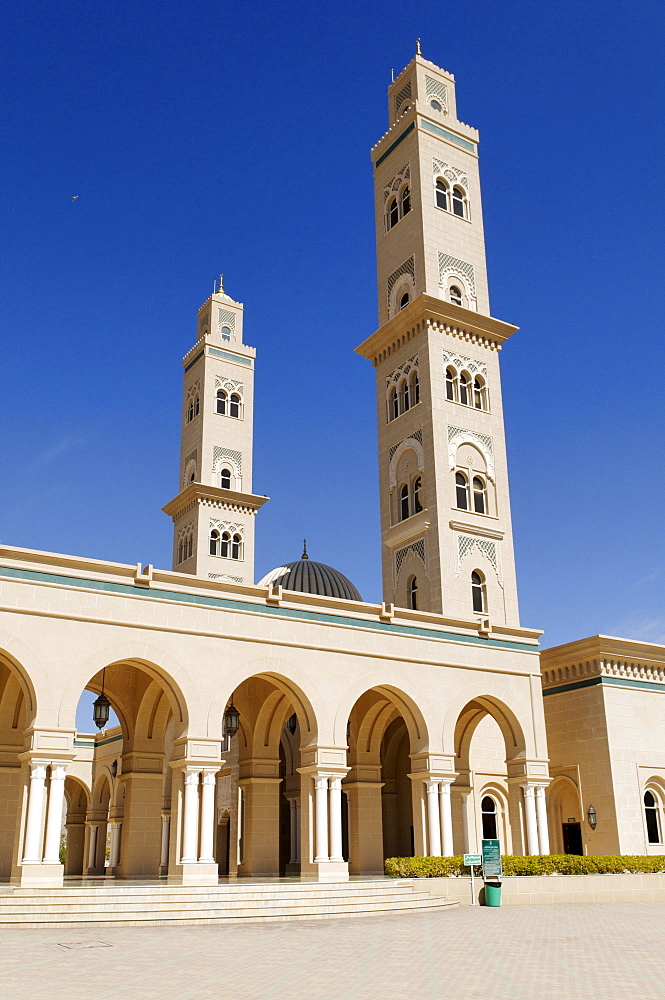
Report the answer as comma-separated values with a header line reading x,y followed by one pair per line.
x,y
309,577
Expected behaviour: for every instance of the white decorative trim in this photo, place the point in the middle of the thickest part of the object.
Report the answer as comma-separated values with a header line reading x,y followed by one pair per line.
x,y
454,267
461,362
409,444
479,441
452,174
404,369
466,544
474,529
231,386
236,529
435,89
417,547
393,186
407,268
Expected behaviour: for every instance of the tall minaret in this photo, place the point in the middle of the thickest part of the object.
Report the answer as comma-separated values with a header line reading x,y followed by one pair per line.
x,y
213,514
445,510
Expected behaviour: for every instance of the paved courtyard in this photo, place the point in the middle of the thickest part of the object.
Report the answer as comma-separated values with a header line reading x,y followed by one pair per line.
x,y
514,953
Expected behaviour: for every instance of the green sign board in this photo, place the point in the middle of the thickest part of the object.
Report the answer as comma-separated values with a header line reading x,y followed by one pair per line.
x,y
491,859
472,859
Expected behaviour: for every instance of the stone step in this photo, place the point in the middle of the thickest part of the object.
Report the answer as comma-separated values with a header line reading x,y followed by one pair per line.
x,y
134,916
260,889
192,902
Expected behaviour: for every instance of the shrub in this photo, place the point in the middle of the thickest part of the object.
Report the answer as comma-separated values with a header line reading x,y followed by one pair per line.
x,y
539,864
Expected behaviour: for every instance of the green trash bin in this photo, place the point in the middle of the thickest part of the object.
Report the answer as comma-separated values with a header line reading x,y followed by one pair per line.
x,y
492,894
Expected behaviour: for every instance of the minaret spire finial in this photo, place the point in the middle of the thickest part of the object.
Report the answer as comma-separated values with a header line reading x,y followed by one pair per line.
x,y
418,52
220,290
304,549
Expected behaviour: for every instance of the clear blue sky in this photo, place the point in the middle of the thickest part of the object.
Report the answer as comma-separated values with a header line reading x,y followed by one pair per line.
x,y
235,137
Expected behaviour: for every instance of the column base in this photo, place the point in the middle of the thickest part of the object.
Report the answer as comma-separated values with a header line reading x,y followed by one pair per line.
x,y
194,873
42,876
326,871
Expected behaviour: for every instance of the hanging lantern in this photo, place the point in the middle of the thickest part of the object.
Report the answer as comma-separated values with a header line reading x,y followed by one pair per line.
x,y
591,816
231,720
101,709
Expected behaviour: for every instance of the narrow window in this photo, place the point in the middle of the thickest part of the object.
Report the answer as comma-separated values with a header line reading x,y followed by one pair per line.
x,y
488,813
478,394
412,591
417,494
404,503
455,295
221,401
224,545
478,593
190,546
416,389
393,213
462,488
435,105
652,818
479,504
234,408
406,201
464,389
214,542
458,202
225,479
393,404
404,301
235,547
404,392
180,551
197,406
190,410
441,195
450,383
192,476
226,332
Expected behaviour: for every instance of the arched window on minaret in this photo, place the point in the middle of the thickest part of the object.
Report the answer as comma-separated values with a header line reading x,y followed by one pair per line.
x,y
404,503
393,404
412,593
455,295
236,547
405,401
459,202
479,495
224,544
462,491
464,385
406,200
392,215
234,407
479,398
415,388
214,542
225,479
221,401
417,495
404,301
441,194
451,375
478,592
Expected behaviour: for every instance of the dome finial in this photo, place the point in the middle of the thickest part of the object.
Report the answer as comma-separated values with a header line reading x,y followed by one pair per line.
x,y
304,549
418,52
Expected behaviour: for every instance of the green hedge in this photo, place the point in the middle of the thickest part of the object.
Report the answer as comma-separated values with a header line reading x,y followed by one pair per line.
x,y
539,864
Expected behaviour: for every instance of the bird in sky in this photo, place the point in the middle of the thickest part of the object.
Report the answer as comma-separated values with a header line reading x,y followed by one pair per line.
x,y
74,197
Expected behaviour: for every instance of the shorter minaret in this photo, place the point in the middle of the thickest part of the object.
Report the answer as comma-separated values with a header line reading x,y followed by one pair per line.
x,y
213,514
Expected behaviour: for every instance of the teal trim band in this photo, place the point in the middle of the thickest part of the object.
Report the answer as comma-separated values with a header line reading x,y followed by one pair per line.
x,y
97,743
215,351
395,144
194,360
235,605
625,682
445,134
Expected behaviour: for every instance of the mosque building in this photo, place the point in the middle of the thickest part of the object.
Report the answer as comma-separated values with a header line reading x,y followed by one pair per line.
x,y
287,726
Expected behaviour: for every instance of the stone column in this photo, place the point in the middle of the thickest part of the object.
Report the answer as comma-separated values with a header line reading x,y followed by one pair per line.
x,y
321,818
166,834
298,832
469,831
541,814
208,789
433,818
190,822
33,824
114,845
293,831
446,817
56,797
92,847
335,805
363,787
531,820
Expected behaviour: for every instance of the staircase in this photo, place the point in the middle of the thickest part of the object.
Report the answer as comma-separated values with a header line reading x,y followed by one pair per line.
x,y
130,905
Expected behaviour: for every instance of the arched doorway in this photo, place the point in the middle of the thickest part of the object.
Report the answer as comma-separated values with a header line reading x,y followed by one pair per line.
x,y
379,792
17,708
77,800
128,816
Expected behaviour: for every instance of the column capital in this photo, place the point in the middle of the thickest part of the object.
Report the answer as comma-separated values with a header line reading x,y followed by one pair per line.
x,y
38,769
191,775
209,775
58,771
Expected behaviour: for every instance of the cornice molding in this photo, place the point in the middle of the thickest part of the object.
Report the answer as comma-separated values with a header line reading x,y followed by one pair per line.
x,y
427,312
634,670
197,495
476,529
